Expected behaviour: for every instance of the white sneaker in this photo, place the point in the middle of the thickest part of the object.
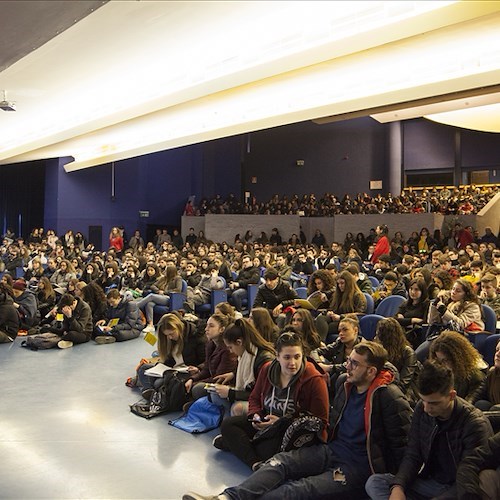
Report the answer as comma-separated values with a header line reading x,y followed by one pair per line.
x,y
149,329
64,344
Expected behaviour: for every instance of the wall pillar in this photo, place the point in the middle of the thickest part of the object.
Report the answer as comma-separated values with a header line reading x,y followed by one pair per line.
x,y
395,158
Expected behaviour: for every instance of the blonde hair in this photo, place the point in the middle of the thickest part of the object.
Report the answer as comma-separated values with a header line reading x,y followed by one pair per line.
x,y
167,346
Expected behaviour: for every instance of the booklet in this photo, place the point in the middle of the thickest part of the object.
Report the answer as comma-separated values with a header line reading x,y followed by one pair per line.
x,y
312,302
111,323
159,369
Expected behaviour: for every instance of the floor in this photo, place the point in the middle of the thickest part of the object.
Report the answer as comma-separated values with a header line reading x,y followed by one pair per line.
x,y
66,431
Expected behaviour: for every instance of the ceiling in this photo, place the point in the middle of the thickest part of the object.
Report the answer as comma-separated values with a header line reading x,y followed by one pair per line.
x,y
102,81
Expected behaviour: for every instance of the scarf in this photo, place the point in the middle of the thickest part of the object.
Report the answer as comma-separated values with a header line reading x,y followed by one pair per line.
x,y
244,374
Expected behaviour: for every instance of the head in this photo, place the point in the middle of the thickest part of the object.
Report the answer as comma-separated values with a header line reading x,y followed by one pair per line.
x,y
290,353
246,261
242,336
443,280
489,285
271,278
364,363
392,336
19,287
435,385
170,335
417,291
348,329
263,322
215,326
321,280
463,291
67,300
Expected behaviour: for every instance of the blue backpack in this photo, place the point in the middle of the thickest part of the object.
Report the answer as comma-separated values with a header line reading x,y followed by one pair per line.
x,y
202,416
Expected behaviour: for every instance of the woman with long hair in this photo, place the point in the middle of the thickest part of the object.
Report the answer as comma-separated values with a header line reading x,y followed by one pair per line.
x,y
285,387
347,299
442,281
322,281
264,324
303,323
61,276
94,296
392,336
459,355
179,344
116,240
46,296
245,342
160,290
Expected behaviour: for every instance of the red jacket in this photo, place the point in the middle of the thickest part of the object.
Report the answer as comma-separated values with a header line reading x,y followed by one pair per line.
x,y
381,248
310,393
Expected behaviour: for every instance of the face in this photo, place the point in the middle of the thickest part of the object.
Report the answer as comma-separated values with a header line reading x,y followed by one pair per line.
x,y
213,329
246,263
318,283
438,405
389,284
341,284
438,282
113,302
151,271
290,360
488,288
280,261
171,334
235,347
297,321
63,266
358,370
457,292
497,356
415,292
347,332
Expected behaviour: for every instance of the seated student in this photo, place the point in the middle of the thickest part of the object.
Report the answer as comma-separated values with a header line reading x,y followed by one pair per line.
x,y
275,295
76,326
218,358
391,285
123,309
92,273
382,267
131,280
285,387
281,265
111,277
441,282
489,294
460,356
322,281
201,293
245,342
303,323
445,430
61,276
26,305
391,335
478,475
179,344
46,297
192,276
160,289
263,322
347,299
301,270
95,297
34,272
365,399
248,275
362,280
9,319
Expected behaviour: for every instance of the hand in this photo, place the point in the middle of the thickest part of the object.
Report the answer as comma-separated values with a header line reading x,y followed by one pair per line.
x,y
106,328
67,311
263,424
193,370
416,321
222,390
277,310
397,493
100,322
188,385
323,297
225,378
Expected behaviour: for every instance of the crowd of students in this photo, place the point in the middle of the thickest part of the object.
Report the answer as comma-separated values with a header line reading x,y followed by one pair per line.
x,y
455,201
418,394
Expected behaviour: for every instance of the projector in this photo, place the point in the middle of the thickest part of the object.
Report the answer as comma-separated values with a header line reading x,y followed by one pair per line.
x,y
7,106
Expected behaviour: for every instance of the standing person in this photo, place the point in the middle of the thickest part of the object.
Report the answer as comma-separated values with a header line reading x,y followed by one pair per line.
x,y
136,241
116,240
369,420
383,246
445,429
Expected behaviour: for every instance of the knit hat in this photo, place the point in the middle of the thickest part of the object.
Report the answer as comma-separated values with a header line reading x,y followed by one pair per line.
x,y
271,274
19,284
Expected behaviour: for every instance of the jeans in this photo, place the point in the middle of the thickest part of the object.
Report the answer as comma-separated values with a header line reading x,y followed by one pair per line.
x,y
225,403
150,301
306,473
237,298
379,486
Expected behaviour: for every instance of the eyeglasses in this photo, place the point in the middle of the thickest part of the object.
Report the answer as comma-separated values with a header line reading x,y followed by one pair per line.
x,y
353,363
288,336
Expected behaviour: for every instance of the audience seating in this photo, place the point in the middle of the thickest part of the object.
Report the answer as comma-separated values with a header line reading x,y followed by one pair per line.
x,y
488,348
368,325
176,302
370,304
490,325
389,306
301,292
374,281
216,297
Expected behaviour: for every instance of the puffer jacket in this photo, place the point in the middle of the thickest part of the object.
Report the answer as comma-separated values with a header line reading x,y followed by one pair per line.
x,y
387,420
282,294
129,325
469,429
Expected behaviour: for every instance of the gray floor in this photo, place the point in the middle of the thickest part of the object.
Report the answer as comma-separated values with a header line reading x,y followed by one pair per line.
x,y
66,431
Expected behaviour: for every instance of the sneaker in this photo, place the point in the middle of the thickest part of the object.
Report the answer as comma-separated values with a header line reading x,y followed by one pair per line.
x,y
186,406
219,443
64,344
148,329
257,465
105,339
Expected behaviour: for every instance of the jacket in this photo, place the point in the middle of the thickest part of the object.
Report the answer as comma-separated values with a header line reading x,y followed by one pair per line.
x,y
387,420
462,314
9,319
282,294
485,457
470,429
28,309
309,394
248,276
193,352
409,311
382,247
130,324
81,319
218,360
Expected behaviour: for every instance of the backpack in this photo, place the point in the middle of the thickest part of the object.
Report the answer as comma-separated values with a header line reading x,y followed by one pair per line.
x,y
202,416
170,396
46,340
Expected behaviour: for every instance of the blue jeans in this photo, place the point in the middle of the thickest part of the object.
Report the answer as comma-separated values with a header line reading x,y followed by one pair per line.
x,y
237,297
379,486
306,473
150,301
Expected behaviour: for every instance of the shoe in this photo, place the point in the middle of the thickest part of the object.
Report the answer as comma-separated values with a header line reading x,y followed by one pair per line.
x,y
219,443
257,465
105,339
148,329
186,406
64,344
191,495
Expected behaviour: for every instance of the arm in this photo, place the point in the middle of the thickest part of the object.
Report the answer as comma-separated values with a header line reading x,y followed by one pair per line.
x,y
470,314
410,366
256,396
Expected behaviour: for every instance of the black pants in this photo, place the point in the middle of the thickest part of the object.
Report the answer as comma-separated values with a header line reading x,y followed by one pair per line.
x,y
238,432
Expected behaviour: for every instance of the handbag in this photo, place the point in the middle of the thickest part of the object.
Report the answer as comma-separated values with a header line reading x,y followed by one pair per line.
x,y
202,416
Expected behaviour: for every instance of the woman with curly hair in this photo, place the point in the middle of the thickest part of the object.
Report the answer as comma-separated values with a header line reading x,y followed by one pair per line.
x,y
303,322
322,281
391,335
347,298
94,296
264,324
459,355
442,282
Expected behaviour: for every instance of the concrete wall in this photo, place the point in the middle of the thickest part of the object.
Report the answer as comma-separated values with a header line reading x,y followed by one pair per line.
x,y
490,216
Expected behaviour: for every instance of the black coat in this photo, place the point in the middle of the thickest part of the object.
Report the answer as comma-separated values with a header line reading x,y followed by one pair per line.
x,y
9,319
193,351
282,294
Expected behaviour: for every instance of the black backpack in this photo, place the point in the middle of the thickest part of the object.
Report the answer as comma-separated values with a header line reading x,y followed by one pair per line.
x,y
170,396
46,340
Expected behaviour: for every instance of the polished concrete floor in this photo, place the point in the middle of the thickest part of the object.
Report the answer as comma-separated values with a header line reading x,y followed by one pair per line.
x,y
66,431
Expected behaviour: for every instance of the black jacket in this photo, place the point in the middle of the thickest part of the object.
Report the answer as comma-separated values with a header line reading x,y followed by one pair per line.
x,y
248,276
282,294
193,351
469,429
130,324
9,319
387,415
409,311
